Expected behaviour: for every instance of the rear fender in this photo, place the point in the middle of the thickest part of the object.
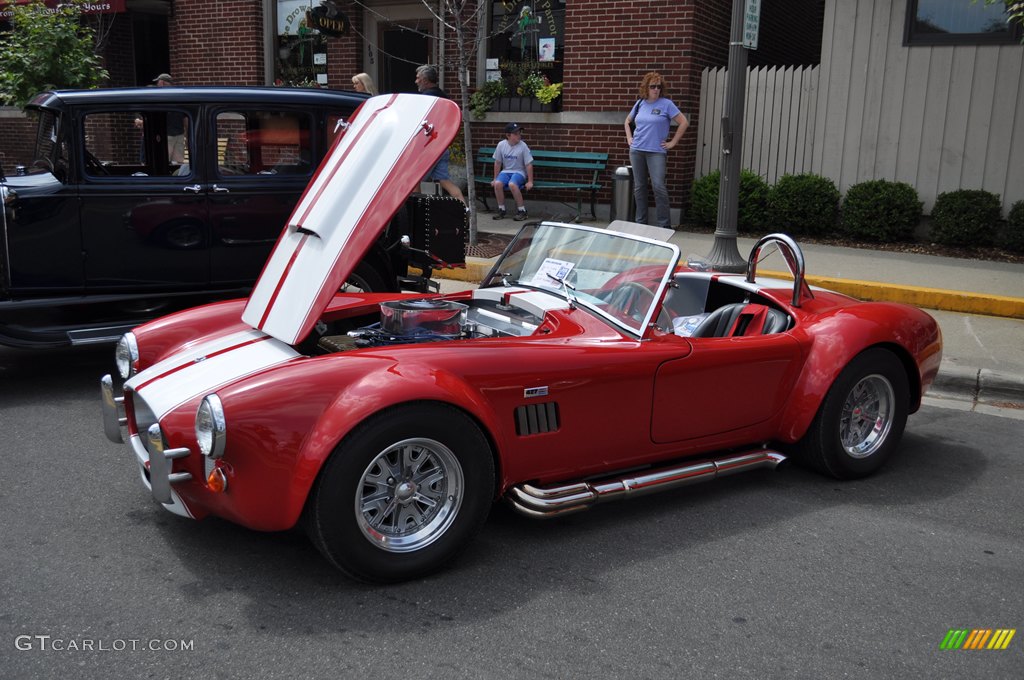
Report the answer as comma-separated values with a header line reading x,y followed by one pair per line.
x,y
911,335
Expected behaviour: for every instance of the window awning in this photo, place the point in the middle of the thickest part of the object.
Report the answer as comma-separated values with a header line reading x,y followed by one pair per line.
x,y
91,7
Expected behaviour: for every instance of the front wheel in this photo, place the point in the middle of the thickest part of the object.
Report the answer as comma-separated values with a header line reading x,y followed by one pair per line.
x,y
861,420
402,494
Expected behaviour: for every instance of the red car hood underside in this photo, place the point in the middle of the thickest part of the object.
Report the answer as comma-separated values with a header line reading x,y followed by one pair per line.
x,y
391,144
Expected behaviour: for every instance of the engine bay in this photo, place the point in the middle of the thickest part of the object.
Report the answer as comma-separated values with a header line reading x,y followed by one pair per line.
x,y
498,312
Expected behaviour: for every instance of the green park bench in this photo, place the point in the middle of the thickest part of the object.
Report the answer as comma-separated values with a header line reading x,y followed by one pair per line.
x,y
577,166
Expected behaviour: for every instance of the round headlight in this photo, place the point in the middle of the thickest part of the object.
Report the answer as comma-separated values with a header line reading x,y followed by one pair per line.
x,y
210,427
126,356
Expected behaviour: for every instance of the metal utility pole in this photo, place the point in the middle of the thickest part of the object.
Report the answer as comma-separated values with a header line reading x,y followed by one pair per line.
x,y
724,255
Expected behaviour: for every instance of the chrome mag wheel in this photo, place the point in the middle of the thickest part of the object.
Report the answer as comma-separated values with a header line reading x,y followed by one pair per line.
x,y
867,416
409,495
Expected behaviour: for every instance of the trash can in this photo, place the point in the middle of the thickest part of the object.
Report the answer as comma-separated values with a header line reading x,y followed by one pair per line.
x,y
623,205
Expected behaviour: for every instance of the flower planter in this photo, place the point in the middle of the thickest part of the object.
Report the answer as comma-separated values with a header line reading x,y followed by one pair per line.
x,y
523,105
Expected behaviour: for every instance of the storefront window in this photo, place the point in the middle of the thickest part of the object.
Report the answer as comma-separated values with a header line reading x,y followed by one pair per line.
x,y
526,38
301,52
958,22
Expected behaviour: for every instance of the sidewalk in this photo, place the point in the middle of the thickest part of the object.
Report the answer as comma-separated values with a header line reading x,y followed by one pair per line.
x,y
979,304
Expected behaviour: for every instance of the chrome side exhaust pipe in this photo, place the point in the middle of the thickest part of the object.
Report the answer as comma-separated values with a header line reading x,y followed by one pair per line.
x,y
552,501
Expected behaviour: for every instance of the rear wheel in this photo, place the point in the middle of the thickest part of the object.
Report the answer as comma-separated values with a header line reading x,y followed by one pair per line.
x,y
402,494
861,420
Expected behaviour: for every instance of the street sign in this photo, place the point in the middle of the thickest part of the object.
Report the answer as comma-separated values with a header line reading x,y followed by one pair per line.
x,y
751,20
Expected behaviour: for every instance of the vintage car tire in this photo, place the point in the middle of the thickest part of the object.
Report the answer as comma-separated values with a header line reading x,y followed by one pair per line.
x,y
366,279
841,441
339,512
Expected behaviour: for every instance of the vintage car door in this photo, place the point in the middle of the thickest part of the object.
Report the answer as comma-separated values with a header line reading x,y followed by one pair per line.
x,y
145,223
262,157
723,385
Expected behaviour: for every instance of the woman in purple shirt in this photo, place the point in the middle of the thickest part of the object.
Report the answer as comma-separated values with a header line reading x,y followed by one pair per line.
x,y
648,149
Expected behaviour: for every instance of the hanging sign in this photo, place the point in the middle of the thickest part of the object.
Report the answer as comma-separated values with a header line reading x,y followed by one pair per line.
x,y
328,19
99,7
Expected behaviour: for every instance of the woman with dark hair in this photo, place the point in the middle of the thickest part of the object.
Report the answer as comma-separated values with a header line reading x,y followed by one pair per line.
x,y
652,114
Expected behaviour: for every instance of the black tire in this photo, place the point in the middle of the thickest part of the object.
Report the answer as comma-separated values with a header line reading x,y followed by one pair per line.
x,y
366,279
355,516
841,441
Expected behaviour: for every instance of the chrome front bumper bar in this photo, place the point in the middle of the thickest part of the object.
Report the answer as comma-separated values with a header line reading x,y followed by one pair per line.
x,y
154,458
113,410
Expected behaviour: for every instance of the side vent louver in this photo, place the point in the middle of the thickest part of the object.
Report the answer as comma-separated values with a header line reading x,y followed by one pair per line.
x,y
536,418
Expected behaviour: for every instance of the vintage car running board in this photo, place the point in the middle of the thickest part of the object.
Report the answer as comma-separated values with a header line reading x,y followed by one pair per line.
x,y
545,502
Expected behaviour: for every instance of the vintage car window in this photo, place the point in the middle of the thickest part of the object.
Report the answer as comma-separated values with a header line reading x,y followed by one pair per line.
x,y
620,277
137,144
49,152
256,142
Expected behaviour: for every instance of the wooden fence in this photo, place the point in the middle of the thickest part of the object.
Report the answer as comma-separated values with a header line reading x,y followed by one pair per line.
x,y
778,120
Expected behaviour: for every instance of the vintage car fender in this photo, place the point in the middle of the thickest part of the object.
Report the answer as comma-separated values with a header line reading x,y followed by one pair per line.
x,y
272,462
162,337
841,334
376,391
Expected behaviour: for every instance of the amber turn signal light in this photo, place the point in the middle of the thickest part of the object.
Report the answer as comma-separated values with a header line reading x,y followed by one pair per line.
x,y
217,481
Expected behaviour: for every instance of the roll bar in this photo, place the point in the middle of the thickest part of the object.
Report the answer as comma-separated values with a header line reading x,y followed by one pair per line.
x,y
794,260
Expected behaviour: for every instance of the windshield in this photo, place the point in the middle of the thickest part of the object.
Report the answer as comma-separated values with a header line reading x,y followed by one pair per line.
x,y
617,276
47,154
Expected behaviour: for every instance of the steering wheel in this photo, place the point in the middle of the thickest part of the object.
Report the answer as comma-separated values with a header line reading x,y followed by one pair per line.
x,y
632,299
43,163
92,163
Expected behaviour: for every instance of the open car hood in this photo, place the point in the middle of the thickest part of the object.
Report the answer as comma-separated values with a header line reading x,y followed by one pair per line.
x,y
392,142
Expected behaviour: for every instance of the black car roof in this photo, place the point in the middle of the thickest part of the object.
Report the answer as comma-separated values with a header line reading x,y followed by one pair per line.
x,y
63,99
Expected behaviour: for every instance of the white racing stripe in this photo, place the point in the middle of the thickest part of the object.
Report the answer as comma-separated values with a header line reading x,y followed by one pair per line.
x,y
333,208
200,370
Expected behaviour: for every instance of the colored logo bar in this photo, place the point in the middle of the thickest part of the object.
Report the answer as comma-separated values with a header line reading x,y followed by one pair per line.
x,y
978,638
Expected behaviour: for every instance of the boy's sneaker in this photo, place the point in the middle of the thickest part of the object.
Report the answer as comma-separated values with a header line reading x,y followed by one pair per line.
x,y
501,214
520,215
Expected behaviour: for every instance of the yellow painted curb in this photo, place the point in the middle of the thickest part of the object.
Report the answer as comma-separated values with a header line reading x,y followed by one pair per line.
x,y
928,298
475,270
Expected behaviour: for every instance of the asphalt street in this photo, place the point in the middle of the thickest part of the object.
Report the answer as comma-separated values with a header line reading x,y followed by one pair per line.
x,y
765,575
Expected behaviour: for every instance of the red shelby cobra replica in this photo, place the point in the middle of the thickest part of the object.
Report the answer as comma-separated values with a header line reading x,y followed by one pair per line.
x,y
588,366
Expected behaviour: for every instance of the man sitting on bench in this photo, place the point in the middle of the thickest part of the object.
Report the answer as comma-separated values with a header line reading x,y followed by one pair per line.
x,y
513,168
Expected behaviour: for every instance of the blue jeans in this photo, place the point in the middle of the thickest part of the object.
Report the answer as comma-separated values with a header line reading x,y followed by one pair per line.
x,y
440,169
649,169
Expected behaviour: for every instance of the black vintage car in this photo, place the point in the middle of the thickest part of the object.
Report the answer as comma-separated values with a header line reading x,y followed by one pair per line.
x,y
142,201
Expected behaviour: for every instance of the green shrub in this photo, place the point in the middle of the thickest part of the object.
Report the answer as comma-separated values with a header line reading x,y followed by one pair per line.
x,y
803,204
966,217
1013,235
880,210
46,48
753,200
480,101
704,199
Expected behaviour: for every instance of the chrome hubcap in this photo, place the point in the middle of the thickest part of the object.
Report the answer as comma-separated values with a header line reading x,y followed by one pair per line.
x,y
867,416
409,495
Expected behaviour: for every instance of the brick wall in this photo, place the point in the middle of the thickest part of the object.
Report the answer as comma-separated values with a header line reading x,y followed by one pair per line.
x,y
119,52
217,42
345,53
609,45
17,137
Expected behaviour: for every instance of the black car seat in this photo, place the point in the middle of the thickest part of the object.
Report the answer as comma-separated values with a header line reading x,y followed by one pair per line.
x,y
741,318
